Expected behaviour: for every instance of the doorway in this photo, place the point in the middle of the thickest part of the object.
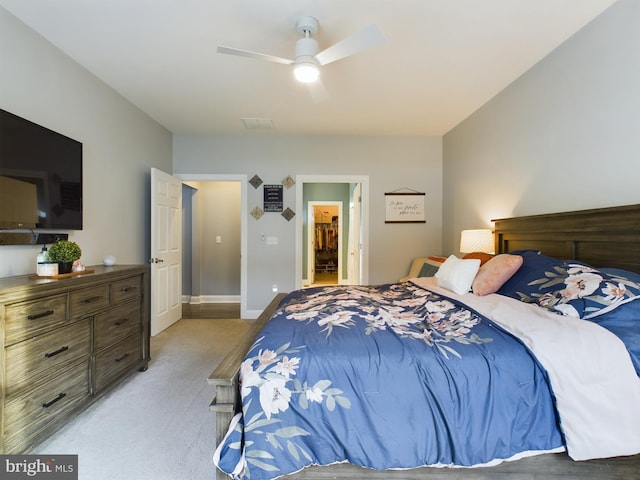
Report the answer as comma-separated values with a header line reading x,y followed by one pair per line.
x,y
205,240
354,259
324,249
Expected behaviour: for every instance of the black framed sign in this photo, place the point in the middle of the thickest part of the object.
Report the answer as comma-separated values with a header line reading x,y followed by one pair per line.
x,y
404,208
273,198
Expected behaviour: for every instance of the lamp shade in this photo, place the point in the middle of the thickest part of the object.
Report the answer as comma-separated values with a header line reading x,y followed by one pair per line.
x,y
477,241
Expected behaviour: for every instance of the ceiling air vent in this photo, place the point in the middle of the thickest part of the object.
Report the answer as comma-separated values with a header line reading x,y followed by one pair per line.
x,y
257,123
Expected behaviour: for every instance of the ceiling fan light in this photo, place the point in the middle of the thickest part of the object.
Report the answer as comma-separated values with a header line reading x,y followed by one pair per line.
x,y
306,72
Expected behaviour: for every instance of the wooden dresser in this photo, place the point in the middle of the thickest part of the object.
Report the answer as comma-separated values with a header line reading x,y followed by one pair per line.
x,y
65,343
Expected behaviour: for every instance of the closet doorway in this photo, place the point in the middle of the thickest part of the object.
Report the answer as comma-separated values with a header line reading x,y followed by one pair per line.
x,y
353,192
325,247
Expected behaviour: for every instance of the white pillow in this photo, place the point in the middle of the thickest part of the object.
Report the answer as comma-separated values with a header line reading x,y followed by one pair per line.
x,y
457,275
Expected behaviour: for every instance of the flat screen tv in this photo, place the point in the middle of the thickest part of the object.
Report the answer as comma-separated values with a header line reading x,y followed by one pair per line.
x,y
40,176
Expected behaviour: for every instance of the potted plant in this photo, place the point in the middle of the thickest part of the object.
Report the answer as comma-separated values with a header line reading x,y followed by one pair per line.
x,y
64,252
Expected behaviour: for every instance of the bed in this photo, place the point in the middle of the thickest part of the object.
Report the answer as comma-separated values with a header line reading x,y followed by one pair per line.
x,y
479,386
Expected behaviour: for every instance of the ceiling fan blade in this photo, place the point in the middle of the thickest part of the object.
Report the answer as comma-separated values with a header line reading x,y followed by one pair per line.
x,y
318,91
256,55
365,39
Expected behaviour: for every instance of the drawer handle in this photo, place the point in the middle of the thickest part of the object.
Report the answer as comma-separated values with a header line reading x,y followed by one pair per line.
x,y
93,299
122,357
128,289
57,399
40,315
122,321
53,354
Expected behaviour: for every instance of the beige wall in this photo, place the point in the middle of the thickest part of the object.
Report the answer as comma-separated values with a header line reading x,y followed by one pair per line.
x,y
120,145
390,163
215,267
562,137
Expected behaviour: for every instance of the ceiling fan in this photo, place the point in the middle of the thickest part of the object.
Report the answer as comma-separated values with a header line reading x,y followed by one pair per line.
x,y
308,59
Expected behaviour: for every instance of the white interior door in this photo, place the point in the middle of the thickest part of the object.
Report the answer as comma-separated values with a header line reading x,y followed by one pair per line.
x,y
311,244
166,250
354,254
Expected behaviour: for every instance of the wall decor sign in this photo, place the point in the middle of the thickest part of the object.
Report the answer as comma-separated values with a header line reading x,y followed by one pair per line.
x,y
288,181
257,213
404,207
255,181
288,214
273,198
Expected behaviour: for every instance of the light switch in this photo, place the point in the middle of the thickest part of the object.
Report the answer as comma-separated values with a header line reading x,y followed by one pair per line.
x,y
272,240
218,239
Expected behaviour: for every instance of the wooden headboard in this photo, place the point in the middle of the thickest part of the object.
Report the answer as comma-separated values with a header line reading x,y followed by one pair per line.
x,y
602,237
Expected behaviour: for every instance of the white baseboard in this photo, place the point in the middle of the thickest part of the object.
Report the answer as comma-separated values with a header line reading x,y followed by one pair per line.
x,y
200,299
252,314
196,300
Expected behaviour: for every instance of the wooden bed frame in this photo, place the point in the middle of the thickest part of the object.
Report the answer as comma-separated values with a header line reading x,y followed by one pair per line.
x,y
600,237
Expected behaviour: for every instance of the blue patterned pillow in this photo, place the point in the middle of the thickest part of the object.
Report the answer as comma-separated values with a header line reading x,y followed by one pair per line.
x,y
633,276
624,322
533,267
572,288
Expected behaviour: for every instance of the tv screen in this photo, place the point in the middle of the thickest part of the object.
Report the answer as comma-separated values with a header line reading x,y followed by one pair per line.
x,y
39,169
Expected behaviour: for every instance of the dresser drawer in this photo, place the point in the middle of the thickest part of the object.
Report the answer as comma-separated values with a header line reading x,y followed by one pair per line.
x,y
64,343
126,289
117,360
116,324
89,300
45,354
44,405
26,319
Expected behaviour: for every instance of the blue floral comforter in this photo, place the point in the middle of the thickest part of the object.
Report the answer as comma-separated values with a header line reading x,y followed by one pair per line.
x,y
392,376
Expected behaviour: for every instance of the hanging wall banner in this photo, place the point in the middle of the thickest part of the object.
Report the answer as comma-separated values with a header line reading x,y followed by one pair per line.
x,y
404,208
272,198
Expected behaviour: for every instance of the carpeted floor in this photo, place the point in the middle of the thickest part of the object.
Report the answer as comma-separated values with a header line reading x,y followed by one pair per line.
x,y
156,425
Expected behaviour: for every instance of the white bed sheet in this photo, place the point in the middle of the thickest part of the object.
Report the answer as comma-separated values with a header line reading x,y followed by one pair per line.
x,y
595,384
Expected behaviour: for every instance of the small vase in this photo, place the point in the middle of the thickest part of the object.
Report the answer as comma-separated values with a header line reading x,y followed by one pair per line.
x,y
64,267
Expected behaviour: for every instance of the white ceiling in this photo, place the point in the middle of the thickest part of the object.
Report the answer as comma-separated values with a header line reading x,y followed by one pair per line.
x,y
443,59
